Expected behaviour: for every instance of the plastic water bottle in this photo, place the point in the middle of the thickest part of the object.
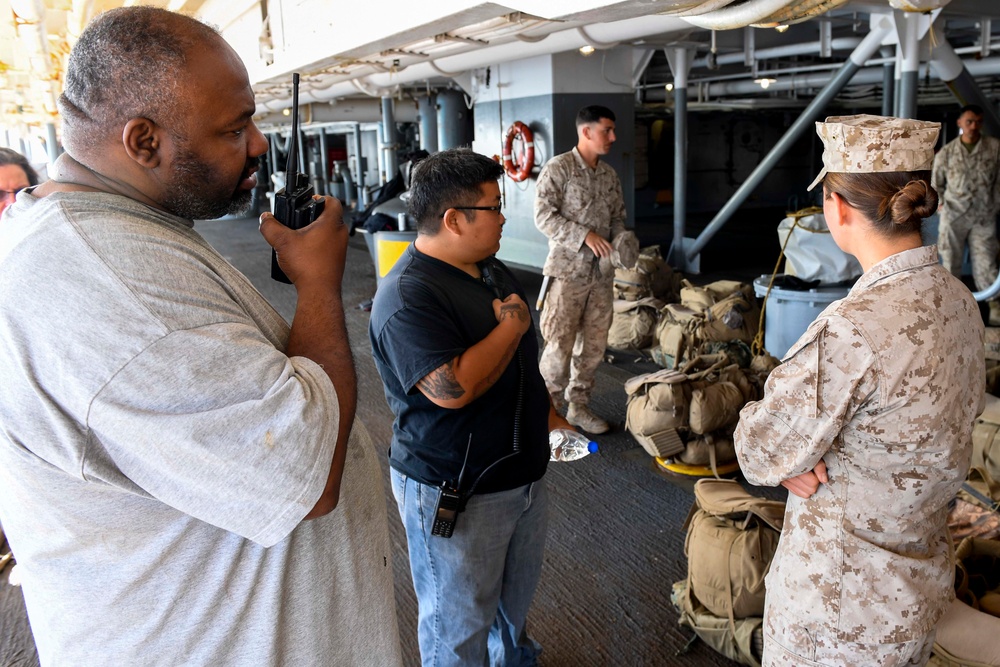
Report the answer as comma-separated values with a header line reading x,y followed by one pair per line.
x,y
567,445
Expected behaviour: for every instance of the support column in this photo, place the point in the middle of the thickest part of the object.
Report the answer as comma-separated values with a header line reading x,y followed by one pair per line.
x,y
803,123
427,116
359,160
387,147
888,81
680,64
909,41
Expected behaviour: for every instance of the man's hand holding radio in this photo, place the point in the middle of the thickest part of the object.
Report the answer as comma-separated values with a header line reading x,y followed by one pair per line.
x,y
314,254
313,259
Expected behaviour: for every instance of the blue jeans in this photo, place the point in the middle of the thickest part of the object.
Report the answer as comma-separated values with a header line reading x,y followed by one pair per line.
x,y
474,588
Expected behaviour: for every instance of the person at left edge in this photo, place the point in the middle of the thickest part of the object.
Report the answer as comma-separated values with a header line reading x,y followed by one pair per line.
x,y
16,174
456,348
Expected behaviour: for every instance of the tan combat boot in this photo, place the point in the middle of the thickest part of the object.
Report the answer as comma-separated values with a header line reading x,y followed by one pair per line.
x,y
994,320
579,415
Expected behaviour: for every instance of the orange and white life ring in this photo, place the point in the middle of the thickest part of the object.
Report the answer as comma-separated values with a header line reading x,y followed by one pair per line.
x,y
519,169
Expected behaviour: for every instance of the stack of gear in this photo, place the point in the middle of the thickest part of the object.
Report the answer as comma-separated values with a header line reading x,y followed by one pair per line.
x,y
969,633
640,292
731,540
725,311
687,416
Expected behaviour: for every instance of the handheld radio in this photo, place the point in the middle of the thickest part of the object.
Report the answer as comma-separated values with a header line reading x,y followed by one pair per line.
x,y
294,206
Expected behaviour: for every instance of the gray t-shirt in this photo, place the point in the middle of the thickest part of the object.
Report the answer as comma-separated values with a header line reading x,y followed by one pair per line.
x,y
158,451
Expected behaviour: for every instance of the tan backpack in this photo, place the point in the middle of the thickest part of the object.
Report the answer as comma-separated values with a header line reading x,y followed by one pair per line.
x,y
731,539
633,323
683,329
651,276
689,411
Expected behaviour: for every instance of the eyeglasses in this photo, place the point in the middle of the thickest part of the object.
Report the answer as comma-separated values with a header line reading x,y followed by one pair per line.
x,y
9,194
496,209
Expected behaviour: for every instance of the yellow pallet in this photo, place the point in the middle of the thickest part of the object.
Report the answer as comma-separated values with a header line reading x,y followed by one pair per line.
x,y
679,468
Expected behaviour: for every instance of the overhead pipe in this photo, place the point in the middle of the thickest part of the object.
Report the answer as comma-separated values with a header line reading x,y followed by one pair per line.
x,y
819,79
797,13
786,51
740,16
950,69
348,110
759,12
703,7
557,42
857,59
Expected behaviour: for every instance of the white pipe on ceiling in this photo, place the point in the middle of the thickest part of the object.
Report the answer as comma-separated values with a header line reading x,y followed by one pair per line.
x,y
557,42
740,16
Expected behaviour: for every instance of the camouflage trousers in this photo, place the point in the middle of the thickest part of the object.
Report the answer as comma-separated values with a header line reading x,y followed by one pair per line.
x,y
788,644
574,323
979,230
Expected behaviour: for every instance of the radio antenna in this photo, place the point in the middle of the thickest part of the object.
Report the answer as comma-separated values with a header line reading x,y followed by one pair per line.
x,y
292,167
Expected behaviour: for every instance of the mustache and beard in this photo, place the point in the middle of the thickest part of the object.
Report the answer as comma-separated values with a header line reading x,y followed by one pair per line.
x,y
198,191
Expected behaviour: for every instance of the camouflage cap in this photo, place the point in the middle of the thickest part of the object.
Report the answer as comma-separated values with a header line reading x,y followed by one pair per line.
x,y
867,144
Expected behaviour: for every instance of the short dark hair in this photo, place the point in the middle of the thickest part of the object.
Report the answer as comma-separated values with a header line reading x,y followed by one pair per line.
x,y
129,62
593,114
974,108
8,156
447,179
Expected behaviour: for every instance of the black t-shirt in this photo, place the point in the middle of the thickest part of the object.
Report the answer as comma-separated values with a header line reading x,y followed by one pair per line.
x,y
426,313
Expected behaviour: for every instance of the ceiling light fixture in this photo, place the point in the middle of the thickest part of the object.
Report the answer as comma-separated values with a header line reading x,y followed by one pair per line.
x,y
764,82
587,49
669,87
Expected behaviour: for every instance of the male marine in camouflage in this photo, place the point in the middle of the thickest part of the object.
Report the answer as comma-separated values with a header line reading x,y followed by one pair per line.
x,y
967,179
579,205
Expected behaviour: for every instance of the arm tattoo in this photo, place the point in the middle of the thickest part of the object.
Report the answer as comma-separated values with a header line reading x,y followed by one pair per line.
x,y
441,383
497,371
512,310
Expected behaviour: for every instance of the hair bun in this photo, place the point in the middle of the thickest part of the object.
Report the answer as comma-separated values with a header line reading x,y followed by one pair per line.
x,y
913,202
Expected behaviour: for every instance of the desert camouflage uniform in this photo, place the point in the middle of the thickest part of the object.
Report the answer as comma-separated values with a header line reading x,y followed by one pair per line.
x,y
967,183
572,199
883,387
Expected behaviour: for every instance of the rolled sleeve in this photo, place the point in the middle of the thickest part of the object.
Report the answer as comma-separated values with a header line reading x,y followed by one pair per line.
x,y
807,401
219,424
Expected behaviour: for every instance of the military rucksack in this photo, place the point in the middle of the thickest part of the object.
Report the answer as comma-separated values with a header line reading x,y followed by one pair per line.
x,y
689,413
685,327
633,323
731,539
650,277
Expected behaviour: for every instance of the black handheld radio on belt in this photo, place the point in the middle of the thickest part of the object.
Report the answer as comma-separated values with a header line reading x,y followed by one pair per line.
x,y
294,206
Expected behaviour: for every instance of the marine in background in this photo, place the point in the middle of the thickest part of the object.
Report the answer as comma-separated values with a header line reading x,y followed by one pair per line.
x,y
580,207
967,179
